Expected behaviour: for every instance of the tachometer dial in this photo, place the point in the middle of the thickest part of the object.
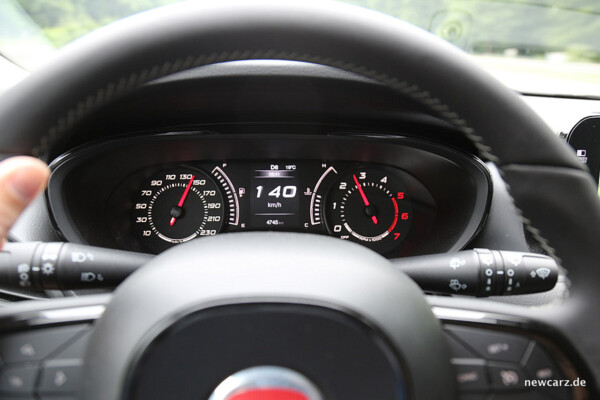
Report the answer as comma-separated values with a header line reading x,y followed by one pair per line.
x,y
369,206
178,205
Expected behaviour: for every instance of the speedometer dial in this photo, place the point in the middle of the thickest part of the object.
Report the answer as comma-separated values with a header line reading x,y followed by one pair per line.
x,y
178,205
369,206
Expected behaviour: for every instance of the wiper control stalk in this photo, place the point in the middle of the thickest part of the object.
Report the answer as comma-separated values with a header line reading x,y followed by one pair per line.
x,y
482,272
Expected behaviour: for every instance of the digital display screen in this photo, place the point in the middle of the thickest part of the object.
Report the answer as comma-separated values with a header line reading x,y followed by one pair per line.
x,y
585,140
275,197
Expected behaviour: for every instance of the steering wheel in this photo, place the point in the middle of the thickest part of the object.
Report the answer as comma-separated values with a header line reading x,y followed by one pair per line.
x,y
336,318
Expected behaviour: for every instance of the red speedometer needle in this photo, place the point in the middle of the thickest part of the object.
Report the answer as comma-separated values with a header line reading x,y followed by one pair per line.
x,y
183,197
364,197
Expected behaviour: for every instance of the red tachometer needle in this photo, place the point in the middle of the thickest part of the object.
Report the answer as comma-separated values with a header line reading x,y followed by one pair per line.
x,y
360,190
183,197
364,197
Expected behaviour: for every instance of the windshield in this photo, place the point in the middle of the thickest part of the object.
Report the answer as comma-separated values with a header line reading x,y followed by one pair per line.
x,y
534,46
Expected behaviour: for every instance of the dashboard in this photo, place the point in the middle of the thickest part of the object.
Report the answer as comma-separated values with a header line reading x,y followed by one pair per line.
x,y
283,144
398,196
312,151
185,159
255,117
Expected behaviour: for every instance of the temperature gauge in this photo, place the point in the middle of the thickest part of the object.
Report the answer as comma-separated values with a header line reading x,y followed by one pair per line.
x,y
369,206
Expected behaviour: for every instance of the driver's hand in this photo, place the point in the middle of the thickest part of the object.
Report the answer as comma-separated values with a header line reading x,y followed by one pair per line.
x,y
21,179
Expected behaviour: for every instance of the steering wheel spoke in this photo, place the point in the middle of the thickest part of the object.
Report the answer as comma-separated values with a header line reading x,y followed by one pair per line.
x,y
492,351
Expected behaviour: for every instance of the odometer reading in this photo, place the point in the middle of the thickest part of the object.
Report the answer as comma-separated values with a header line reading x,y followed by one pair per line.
x,y
369,206
176,206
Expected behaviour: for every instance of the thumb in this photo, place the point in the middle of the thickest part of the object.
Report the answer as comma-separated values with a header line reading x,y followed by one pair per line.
x,y
21,179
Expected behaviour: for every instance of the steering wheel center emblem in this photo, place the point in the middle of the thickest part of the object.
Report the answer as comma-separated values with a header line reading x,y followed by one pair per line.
x,y
266,383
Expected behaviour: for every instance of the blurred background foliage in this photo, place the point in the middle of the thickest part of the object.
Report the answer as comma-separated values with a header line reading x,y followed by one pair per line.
x,y
65,20
566,29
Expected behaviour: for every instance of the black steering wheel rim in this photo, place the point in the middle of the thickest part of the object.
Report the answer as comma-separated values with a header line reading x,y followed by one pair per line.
x,y
545,178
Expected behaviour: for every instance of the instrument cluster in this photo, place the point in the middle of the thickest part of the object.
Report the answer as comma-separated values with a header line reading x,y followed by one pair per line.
x,y
369,204
398,197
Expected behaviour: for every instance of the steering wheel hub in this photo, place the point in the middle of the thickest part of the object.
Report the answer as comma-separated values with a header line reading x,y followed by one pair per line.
x,y
340,316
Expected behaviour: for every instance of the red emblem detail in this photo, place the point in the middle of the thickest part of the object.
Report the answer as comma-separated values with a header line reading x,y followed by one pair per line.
x,y
268,394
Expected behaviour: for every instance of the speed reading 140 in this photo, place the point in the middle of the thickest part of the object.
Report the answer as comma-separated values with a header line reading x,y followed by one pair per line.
x,y
288,192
